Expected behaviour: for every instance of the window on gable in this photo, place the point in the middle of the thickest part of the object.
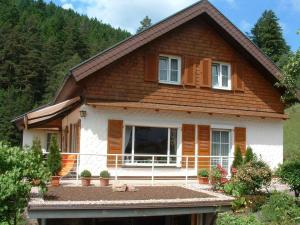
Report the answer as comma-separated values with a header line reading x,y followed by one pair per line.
x,y
221,76
169,69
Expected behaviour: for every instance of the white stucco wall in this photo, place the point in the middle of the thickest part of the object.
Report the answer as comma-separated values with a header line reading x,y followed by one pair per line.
x,y
30,134
265,136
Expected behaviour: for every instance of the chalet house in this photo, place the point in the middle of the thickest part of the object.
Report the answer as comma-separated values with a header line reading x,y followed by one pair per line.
x,y
174,98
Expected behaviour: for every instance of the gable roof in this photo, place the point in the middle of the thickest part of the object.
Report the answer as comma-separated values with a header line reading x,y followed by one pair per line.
x,y
125,47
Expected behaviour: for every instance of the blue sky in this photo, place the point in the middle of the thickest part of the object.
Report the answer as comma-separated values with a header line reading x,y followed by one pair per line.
x,y
126,14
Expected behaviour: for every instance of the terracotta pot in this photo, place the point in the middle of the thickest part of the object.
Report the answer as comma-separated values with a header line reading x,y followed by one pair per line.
x,y
55,181
203,180
85,181
104,182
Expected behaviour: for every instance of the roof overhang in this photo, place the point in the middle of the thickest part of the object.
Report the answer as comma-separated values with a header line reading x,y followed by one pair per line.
x,y
187,109
48,116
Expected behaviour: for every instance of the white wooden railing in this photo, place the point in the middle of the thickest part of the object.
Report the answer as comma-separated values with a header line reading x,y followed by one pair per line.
x,y
186,166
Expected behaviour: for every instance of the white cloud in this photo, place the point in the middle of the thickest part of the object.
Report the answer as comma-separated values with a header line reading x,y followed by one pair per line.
x,y
127,14
245,26
67,6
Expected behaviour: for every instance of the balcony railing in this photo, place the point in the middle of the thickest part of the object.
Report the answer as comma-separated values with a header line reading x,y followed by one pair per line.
x,y
185,166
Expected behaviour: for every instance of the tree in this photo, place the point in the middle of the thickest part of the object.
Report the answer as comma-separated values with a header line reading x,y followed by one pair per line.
x,y
17,170
145,23
267,35
238,157
290,79
54,158
249,156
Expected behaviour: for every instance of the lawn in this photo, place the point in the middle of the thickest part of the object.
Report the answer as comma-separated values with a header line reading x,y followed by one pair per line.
x,y
291,132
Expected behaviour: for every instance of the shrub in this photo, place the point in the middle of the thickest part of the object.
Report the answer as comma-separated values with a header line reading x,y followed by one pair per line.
x,y
249,156
36,147
85,173
281,209
203,173
238,157
289,173
104,174
217,176
232,219
254,175
54,158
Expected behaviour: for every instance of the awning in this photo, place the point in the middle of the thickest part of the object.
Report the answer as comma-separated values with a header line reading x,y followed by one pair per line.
x,y
49,114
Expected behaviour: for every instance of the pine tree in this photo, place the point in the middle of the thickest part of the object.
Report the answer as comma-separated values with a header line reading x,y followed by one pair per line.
x,y
249,156
238,157
267,35
54,158
145,23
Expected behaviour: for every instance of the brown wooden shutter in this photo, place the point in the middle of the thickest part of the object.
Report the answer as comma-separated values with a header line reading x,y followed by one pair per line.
x,y
114,141
151,65
70,139
204,147
188,144
205,72
189,74
78,129
237,77
240,138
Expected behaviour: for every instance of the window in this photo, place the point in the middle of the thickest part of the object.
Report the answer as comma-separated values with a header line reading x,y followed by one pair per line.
x,y
220,147
169,69
142,141
221,76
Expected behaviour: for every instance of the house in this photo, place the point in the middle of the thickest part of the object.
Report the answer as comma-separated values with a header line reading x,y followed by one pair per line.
x,y
166,102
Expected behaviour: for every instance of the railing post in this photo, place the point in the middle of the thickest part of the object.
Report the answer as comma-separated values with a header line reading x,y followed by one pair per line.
x,y
116,168
77,169
152,172
186,170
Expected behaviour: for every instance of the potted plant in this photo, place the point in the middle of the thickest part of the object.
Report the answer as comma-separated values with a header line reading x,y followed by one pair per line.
x,y
37,154
54,162
104,178
203,176
86,178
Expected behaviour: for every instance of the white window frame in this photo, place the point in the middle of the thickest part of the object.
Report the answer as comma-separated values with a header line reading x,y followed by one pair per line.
x,y
220,86
168,81
229,156
132,163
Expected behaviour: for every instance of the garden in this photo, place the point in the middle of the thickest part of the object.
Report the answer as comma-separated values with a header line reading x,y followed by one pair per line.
x,y
250,183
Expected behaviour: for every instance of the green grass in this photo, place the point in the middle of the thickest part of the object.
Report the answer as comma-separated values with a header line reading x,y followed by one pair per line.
x,y
291,133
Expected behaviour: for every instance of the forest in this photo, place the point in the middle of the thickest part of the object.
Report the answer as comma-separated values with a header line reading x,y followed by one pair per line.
x,y
39,43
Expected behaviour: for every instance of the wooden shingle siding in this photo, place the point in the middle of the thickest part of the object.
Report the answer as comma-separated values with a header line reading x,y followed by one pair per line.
x,y
114,141
240,138
204,146
188,145
124,80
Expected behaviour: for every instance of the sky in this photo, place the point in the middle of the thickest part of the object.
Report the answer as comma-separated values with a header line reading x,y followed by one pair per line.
x,y
127,14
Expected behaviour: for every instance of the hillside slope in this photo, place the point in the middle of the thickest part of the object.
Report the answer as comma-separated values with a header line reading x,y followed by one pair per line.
x,y
39,42
292,133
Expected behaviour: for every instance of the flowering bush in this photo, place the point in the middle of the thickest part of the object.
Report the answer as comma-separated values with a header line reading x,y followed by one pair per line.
x,y
218,177
254,175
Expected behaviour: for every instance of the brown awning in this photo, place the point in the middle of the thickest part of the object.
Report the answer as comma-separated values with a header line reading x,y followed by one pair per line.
x,y
188,109
48,115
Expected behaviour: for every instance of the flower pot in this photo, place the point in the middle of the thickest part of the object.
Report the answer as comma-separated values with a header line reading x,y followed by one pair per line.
x,y
104,182
85,181
55,181
224,180
203,180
